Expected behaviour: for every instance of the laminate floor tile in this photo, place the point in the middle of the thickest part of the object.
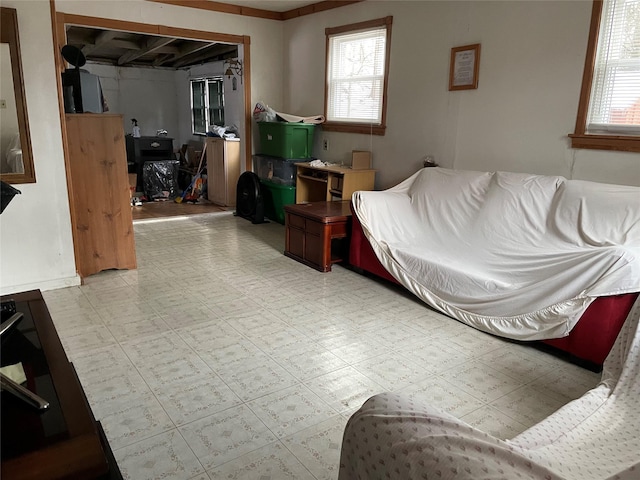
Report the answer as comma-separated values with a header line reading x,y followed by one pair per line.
x,y
132,419
272,462
165,456
219,357
318,447
438,392
196,397
225,436
391,371
345,390
259,376
291,410
494,422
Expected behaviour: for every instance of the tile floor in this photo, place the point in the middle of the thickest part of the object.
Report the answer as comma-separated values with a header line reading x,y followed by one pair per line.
x,y
222,358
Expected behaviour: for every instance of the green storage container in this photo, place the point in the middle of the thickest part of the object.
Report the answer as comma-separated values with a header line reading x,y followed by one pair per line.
x,y
276,196
286,140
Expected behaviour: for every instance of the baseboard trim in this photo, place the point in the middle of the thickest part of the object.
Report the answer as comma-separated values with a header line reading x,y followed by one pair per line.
x,y
43,286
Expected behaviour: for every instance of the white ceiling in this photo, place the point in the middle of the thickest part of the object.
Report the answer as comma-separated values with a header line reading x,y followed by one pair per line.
x,y
273,5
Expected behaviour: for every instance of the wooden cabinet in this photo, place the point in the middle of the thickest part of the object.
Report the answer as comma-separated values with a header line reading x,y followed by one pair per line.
x,y
317,234
319,184
99,193
223,170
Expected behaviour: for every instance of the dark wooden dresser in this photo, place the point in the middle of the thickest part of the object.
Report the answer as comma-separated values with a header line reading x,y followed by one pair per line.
x,y
64,441
317,233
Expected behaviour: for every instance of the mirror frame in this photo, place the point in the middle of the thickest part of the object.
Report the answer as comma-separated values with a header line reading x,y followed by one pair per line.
x,y
9,34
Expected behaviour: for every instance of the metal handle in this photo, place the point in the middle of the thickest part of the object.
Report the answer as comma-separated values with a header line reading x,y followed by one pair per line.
x,y
22,393
13,320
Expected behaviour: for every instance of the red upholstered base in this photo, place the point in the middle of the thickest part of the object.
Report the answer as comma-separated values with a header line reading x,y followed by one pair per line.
x,y
596,331
361,254
590,340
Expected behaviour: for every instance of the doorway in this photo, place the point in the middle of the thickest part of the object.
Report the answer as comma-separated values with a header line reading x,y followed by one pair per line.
x,y
147,75
157,35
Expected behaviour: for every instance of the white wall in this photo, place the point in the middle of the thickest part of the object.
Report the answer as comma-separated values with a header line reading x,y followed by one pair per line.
x,y
149,95
36,247
532,57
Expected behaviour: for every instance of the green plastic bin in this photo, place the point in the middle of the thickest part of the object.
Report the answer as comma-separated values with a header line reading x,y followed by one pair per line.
x,y
276,196
286,140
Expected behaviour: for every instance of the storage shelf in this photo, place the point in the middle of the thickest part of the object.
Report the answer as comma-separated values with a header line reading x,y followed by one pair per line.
x,y
324,180
331,183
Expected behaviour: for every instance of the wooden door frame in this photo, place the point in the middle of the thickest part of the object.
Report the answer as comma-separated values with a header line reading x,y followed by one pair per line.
x,y
59,20
62,19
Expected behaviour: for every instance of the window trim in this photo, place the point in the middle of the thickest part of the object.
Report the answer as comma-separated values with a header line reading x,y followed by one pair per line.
x,y
207,106
351,127
581,139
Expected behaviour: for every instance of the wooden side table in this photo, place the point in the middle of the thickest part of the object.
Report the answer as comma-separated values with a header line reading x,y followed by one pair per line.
x,y
317,233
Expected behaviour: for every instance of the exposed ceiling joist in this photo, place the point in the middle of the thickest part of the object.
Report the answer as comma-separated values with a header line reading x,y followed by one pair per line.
x,y
127,49
221,50
151,45
101,39
183,52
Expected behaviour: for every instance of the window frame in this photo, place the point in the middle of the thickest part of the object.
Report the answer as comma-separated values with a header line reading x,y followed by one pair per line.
x,y
354,127
207,108
580,138
220,108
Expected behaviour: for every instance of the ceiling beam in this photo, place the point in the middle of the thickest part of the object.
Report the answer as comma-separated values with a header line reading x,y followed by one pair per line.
x,y
188,49
126,44
102,38
221,49
150,46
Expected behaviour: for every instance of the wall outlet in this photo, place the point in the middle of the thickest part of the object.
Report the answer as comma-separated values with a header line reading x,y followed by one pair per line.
x,y
325,145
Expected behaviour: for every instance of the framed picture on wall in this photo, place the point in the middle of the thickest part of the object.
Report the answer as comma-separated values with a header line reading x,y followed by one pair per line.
x,y
464,66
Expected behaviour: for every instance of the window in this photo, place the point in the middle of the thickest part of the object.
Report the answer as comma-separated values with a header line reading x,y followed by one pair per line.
x,y
207,104
609,110
357,72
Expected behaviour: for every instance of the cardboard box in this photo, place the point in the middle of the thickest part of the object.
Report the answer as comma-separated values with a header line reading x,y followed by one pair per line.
x,y
360,159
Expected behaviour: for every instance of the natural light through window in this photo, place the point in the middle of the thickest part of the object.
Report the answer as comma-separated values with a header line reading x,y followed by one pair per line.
x,y
357,72
207,104
615,102
356,76
609,110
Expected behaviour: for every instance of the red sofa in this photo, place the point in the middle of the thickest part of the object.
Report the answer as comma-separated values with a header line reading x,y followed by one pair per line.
x,y
590,340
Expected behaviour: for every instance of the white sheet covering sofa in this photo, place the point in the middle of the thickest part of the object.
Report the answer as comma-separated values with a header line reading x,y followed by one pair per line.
x,y
516,255
520,256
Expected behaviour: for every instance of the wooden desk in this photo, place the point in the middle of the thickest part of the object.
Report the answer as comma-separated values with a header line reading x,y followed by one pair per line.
x,y
65,441
316,184
317,233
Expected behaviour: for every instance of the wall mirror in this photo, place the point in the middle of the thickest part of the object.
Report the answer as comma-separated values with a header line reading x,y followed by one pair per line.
x,y
16,158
